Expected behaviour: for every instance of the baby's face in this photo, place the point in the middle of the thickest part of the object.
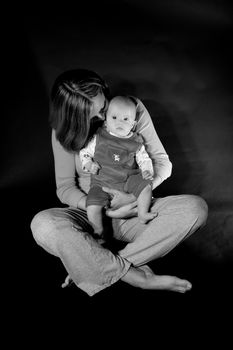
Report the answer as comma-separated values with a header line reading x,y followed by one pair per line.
x,y
120,119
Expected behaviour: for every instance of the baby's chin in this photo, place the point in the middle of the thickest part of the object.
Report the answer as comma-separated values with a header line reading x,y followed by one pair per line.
x,y
120,132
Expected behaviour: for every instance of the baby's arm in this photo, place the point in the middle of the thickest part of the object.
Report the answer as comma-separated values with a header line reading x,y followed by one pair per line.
x,y
92,167
86,156
145,163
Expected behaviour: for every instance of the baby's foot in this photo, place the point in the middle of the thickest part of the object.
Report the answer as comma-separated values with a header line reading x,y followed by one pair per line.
x,y
144,218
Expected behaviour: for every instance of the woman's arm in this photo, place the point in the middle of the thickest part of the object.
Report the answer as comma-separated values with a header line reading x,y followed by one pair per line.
x,y
161,163
64,163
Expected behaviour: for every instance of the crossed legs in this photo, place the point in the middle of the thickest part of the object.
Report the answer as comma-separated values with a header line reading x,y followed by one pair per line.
x,y
63,232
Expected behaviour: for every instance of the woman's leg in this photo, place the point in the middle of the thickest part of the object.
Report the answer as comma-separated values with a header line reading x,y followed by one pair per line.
x,y
178,217
65,233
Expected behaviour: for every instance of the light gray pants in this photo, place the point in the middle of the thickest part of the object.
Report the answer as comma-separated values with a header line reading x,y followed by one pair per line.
x,y
64,232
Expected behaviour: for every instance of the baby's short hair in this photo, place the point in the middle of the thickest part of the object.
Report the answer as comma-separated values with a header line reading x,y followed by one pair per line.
x,y
123,100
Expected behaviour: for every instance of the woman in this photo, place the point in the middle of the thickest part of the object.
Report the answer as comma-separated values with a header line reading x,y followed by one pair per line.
x,y
78,99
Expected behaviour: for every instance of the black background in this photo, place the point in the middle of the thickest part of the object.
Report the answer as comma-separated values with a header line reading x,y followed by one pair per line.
x,y
176,56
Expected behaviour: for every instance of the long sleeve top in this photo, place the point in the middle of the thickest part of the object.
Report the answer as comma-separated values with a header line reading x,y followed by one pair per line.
x,y
73,183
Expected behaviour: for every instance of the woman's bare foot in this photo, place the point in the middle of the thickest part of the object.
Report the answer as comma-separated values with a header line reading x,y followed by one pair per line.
x,y
143,277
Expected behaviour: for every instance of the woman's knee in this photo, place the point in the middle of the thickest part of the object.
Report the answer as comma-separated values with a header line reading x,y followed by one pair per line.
x,y
42,225
198,207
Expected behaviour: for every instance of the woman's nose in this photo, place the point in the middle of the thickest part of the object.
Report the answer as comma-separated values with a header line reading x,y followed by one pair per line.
x,y
100,116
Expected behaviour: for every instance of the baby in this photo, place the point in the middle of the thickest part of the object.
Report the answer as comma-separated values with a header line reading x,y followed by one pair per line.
x,y
116,158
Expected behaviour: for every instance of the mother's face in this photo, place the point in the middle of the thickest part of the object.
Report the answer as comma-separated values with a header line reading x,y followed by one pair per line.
x,y
99,106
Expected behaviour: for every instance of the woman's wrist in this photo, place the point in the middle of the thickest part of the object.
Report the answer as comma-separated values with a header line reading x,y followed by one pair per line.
x,y
125,212
131,198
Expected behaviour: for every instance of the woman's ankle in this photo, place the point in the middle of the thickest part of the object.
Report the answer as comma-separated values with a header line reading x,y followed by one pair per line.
x,y
135,277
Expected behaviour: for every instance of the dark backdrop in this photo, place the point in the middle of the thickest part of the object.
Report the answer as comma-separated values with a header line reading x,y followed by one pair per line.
x,y
176,57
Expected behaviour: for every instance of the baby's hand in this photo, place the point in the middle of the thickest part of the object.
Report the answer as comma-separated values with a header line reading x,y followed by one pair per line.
x,y
147,175
95,168
92,167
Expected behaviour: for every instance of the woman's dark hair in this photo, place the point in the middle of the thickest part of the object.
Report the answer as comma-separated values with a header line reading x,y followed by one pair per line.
x,y
70,105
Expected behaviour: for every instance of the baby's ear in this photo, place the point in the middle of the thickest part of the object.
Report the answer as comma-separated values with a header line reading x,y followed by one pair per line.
x,y
106,125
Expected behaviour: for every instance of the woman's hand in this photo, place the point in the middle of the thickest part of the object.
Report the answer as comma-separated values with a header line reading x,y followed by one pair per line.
x,y
124,212
119,198
123,205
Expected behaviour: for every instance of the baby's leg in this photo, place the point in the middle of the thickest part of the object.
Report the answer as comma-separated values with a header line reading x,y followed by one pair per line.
x,y
94,214
144,202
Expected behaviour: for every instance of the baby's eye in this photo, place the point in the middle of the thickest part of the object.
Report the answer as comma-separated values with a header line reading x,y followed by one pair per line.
x,y
113,117
126,119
